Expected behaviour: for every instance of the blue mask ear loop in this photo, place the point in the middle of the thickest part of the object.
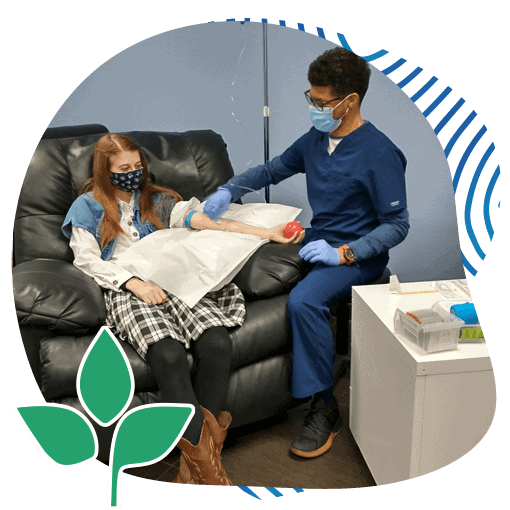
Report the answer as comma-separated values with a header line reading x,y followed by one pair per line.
x,y
345,99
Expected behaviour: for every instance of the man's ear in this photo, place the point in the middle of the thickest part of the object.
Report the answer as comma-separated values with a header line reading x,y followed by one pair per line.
x,y
353,100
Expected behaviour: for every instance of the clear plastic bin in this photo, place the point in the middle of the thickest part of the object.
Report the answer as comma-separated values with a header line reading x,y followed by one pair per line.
x,y
430,337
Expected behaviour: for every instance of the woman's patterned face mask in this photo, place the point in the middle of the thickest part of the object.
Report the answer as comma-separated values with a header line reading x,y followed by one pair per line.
x,y
127,181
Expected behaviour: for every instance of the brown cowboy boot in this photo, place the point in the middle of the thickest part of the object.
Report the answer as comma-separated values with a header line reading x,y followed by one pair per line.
x,y
202,464
219,427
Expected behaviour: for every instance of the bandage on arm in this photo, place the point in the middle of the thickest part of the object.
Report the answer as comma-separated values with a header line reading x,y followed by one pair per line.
x,y
200,221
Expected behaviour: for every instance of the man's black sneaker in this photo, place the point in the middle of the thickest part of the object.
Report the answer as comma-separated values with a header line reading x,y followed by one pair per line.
x,y
322,424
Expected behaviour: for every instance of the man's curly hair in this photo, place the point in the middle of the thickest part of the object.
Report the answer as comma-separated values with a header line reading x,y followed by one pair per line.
x,y
343,70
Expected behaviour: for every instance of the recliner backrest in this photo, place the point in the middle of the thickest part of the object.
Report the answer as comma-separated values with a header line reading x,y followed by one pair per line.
x,y
193,163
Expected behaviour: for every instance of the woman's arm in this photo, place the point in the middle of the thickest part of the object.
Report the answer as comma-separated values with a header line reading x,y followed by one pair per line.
x,y
87,258
201,221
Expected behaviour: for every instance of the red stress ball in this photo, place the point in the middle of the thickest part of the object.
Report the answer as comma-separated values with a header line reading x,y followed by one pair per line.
x,y
291,228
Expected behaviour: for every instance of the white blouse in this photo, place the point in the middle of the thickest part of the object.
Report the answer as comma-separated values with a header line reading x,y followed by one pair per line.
x,y
87,254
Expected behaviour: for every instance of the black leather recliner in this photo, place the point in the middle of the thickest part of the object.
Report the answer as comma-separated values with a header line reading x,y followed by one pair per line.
x,y
60,309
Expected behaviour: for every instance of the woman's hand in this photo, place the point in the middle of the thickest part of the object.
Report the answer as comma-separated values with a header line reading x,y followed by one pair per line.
x,y
277,234
148,292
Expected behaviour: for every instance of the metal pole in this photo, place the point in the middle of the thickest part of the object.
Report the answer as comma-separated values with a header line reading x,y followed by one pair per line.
x,y
266,106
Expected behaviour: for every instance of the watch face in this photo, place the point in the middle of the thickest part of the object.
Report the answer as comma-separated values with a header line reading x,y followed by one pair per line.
x,y
349,254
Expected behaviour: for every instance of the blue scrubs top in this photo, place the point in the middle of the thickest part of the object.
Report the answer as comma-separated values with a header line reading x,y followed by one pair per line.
x,y
357,194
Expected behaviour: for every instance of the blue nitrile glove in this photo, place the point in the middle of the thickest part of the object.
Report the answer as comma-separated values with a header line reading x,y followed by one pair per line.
x,y
218,203
320,251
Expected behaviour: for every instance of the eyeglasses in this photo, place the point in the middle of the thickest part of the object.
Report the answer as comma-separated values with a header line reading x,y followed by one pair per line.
x,y
315,102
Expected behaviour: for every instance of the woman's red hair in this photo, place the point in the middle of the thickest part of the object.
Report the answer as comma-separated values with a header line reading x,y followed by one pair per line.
x,y
104,191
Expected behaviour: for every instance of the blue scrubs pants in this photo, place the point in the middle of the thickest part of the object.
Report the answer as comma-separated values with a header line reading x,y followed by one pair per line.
x,y
309,309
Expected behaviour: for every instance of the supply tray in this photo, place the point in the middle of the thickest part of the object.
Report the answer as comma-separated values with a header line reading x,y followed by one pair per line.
x,y
432,337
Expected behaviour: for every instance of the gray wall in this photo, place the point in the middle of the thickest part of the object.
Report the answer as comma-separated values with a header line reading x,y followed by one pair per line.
x,y
211,76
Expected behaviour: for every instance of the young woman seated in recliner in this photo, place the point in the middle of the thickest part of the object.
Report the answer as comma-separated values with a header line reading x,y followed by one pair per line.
x,y
117,207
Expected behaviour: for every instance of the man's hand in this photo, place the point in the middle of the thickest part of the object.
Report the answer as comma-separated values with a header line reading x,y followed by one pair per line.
x,y
148,292
321,251
217,204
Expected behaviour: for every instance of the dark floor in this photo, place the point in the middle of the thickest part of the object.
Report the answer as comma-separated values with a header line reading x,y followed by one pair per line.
x,y
258,455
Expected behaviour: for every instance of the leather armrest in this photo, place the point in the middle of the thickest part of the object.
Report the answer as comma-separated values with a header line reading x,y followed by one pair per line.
x,y
273,269
55,295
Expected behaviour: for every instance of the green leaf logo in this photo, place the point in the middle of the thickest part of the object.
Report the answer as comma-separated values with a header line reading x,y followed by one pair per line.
x,y
164,425
105,386
105,382
62,432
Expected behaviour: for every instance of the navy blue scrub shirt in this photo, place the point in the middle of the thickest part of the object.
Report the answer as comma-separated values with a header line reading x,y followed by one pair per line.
x,y
357,194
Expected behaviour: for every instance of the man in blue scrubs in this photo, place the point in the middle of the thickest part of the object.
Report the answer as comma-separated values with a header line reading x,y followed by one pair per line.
x,y
356,189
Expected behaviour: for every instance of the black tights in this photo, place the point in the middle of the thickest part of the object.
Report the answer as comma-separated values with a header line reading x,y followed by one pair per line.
x,y
213,354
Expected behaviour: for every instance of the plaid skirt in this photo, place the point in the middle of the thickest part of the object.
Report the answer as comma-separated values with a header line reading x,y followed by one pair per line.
x,y
142,324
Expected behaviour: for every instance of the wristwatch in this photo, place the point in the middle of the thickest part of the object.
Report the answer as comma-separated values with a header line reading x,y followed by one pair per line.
x,y
348,254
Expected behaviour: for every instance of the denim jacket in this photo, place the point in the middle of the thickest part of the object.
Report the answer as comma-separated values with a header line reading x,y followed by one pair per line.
x,y
85,212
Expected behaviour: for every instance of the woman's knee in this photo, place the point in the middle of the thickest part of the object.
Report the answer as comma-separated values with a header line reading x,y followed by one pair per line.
x,y
167,352
215,343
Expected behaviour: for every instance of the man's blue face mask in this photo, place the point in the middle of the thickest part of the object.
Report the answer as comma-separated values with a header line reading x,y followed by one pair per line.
x,y
127,181
323,119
